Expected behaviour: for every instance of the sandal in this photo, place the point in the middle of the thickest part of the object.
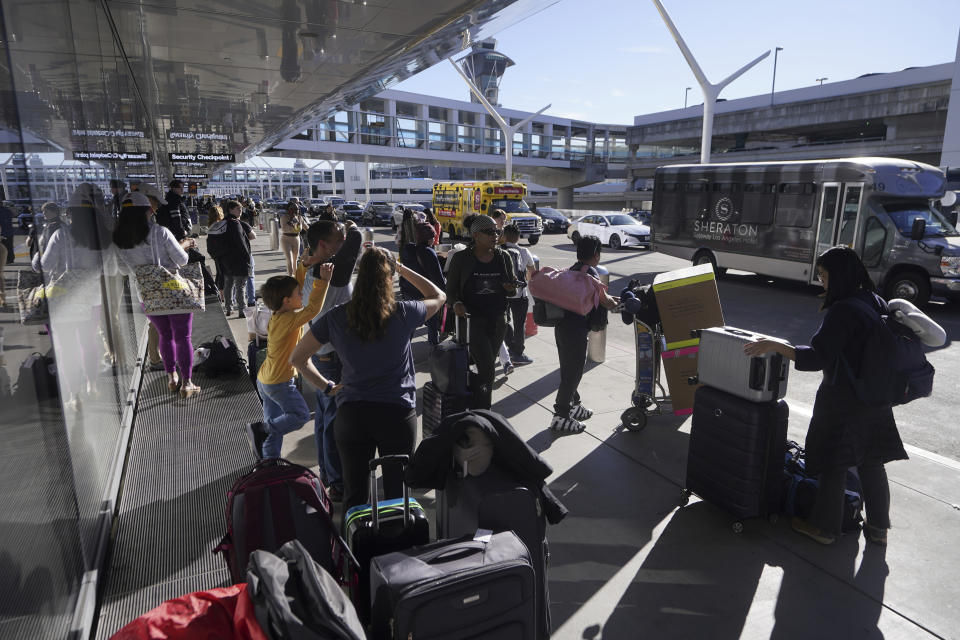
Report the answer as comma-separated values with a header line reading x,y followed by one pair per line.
x,y
189,391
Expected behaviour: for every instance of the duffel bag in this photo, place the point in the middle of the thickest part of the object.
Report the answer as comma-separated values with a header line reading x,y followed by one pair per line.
x,y
574,291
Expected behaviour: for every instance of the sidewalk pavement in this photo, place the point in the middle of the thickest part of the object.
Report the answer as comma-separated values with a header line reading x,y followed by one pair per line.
x,y
631,562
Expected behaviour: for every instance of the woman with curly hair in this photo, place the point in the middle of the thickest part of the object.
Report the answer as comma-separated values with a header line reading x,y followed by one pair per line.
x,y
377,394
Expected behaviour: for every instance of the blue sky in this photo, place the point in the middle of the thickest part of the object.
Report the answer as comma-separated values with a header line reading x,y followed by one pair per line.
x,y
609,60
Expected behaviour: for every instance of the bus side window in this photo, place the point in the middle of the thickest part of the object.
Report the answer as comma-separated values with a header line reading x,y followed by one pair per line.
x,y
874,240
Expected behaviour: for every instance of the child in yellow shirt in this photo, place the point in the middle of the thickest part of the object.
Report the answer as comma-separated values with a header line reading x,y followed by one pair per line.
x,y
284,409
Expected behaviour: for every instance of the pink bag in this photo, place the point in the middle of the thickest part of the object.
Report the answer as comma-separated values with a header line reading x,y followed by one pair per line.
x,y
574,291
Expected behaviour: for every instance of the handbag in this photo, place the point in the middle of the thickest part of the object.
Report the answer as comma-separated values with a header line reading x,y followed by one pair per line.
x,y
166,292
574,291
32,298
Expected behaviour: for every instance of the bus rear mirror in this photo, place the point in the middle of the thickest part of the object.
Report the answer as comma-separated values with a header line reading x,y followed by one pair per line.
x,y
919,229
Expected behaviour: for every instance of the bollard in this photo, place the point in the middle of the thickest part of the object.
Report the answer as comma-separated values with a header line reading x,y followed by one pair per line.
x,y
274,233
597,340
368,241
530,328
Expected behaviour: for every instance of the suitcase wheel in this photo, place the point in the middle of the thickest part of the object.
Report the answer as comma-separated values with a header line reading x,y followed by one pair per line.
x,y
738,527
633,419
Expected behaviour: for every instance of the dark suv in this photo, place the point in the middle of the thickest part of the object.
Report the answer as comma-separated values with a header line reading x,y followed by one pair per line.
x,y
377,212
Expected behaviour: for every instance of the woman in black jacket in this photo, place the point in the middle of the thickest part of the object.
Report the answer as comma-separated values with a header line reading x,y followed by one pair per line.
x,y
843,432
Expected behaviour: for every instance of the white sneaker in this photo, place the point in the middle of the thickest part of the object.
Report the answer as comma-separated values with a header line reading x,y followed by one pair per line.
x,y
566,425
580,412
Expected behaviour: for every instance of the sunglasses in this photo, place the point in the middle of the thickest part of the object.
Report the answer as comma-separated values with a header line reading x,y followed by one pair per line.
x,y
491,232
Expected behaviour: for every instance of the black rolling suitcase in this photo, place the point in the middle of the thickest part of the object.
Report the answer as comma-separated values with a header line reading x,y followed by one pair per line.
x,y
382,527
437,406
469,588
737,447
496,501
450,362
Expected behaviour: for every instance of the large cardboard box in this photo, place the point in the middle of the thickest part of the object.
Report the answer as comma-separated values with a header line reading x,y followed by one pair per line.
x,y
687,300
679,365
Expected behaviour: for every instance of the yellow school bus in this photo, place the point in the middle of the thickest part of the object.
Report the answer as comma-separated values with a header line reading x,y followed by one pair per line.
x,y
452,201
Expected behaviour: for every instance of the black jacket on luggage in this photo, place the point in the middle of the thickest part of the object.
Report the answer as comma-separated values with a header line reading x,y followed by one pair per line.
x,y
845,432
430,464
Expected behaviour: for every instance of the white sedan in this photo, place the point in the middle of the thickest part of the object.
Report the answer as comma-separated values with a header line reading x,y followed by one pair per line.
x,y
615,229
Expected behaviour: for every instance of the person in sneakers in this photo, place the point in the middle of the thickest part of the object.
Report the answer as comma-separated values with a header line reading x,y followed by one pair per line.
x,y
518,303
284,409
844,431
228,243
571,336
478,282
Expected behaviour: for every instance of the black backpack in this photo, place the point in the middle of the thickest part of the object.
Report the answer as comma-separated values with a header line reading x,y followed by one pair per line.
x,y
224,359
518,268
894,369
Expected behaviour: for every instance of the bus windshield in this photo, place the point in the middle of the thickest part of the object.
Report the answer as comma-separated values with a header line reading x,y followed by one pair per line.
x,y
510,205
904,213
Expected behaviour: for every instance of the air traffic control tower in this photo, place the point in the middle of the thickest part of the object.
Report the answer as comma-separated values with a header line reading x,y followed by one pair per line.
x,y
485,66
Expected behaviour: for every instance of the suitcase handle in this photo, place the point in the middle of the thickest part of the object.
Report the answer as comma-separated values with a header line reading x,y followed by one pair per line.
x,y
462,550
456,329
401,461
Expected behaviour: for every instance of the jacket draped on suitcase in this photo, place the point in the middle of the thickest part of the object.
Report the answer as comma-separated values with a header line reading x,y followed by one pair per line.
x,y
430,463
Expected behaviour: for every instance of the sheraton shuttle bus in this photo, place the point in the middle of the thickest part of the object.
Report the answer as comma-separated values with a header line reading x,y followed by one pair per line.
x,y
775,218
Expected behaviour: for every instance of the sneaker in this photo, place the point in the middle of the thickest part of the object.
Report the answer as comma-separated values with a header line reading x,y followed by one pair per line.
x,y
875,535
257,434
240,314
560,424
155,366
508,369
521,359
580,412
802,526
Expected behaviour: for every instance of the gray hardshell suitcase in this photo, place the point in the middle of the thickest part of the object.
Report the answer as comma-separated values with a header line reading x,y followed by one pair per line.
x,y
721,364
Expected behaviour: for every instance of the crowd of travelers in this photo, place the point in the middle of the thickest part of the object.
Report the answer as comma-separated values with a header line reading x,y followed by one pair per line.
x,y
351,337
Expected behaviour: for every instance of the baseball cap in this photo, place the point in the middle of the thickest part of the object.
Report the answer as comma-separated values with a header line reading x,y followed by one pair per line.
x,y
151,191
135,199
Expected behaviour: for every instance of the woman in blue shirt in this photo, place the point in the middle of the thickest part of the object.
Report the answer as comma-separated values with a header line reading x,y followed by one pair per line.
x,y
377,394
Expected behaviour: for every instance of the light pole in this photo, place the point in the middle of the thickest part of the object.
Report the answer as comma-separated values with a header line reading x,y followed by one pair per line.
x,y
773,85
820,80
710,91
686,92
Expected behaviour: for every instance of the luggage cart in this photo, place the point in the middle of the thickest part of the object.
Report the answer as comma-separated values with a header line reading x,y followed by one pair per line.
x,y
648,395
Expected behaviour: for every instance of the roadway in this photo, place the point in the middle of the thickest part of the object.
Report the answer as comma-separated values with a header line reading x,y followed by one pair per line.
x,y
788,310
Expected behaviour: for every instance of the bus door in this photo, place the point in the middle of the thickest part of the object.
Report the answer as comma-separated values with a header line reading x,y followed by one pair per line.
x,y
839,216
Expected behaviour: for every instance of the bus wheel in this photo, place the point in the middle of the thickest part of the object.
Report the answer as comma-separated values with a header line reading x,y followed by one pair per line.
x,y
575,236
614,242
908,286
705,257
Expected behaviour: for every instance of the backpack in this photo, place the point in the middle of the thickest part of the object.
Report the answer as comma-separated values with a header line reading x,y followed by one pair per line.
x,y
37,380
273,503
800,490
894,369
519,269
294,597
224,359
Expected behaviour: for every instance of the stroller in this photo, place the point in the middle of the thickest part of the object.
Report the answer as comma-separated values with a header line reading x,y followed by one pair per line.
x,y
649,395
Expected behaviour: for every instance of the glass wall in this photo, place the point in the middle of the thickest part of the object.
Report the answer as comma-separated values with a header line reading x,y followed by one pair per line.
x,y
67,366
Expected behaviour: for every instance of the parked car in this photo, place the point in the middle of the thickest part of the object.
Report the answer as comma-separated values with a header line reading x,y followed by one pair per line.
x,y
399,209
641,216
351,210
553,220
377,212
615,229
